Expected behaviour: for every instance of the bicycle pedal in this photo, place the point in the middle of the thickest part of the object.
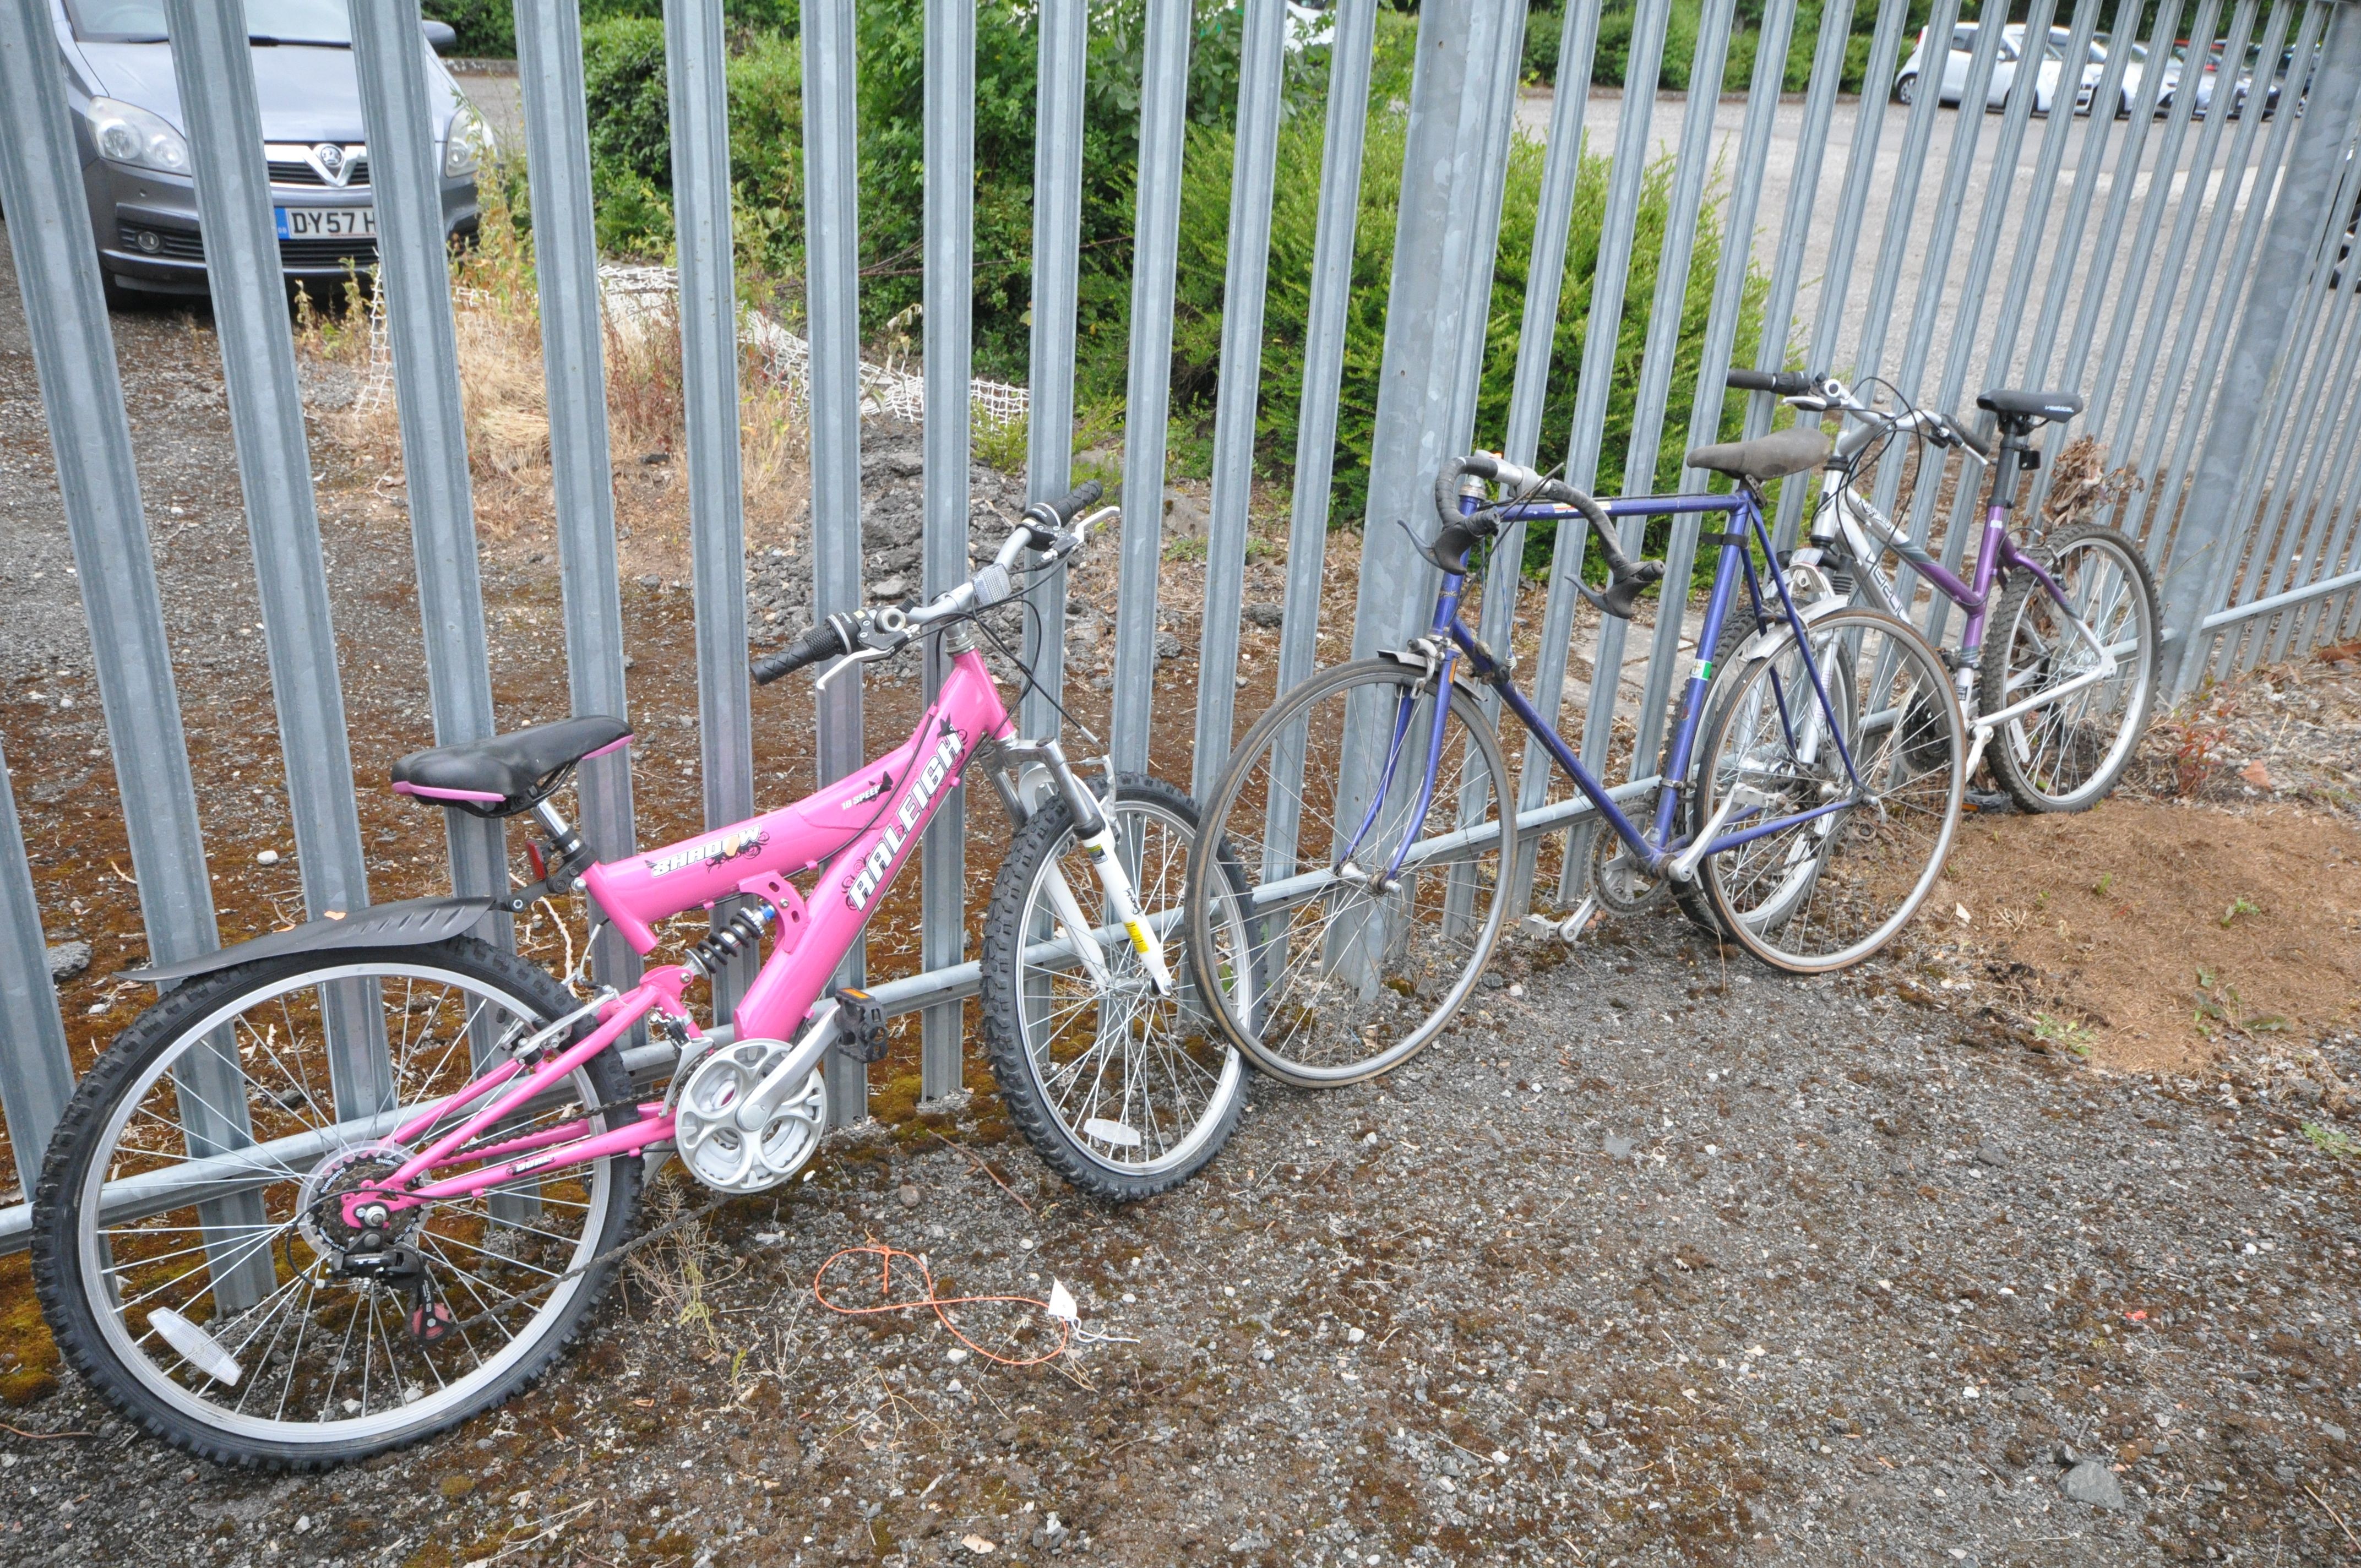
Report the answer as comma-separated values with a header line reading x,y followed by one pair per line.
x,y
862,1017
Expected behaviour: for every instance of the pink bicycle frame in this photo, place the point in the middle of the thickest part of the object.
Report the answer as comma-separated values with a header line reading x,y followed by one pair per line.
x,y
862,829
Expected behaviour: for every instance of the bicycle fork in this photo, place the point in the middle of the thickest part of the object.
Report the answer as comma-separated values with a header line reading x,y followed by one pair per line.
x,y
1096,831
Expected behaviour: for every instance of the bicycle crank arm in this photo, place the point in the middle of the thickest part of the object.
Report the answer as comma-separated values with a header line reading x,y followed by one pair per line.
x,y
1684,869
755,1111
1123,902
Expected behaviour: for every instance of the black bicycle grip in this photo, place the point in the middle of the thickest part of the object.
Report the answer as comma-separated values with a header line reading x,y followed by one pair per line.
x,y
1069,506
1786,383
1966,438
826,641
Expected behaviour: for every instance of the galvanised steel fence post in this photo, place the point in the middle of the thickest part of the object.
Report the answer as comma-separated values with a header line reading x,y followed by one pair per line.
x,y
37,1067
1155,241
216,76
2286,287
1350,62
1672,272
2277,557
832,293
73,355
695,75
1527,393
1057,263
2181,327
1802,190
1254,169
1852,203
949,220
1617,230
573,372
413,272
2209,541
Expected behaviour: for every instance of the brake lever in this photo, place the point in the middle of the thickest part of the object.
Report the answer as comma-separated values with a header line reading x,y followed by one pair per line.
x,y
858,656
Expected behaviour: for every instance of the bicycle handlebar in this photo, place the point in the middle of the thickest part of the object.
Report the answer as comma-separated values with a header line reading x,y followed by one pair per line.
x,y
1626,577
864,635
1785,383
839,634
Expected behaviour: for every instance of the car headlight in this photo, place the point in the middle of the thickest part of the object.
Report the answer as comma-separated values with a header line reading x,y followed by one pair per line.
x,y
466,143
129,134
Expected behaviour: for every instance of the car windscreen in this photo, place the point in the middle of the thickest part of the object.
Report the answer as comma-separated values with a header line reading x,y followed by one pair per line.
x,y
275,21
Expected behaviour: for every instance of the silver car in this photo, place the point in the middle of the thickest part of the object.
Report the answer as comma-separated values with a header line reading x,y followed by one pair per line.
x,y
135,156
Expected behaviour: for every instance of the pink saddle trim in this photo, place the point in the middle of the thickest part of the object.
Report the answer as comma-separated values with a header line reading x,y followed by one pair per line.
x,y
609,746
427,792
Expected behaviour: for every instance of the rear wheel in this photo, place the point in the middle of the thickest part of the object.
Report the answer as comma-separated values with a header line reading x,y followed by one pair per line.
x,y
1863,786
1124,1091
1364,968
1905,92
2066,754
193,1259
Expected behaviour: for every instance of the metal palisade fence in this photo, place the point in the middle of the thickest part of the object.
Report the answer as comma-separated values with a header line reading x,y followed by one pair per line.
x,y
2186,273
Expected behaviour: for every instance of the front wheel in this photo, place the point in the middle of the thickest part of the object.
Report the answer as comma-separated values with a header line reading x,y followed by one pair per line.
x,y
189,1250
1830,775
2065,753
1371,815
1124,1089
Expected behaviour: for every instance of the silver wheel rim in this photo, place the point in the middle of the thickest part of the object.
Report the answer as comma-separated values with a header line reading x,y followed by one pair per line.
x,y
1142,1071
390,1403
1925,801
1304,943
2114,603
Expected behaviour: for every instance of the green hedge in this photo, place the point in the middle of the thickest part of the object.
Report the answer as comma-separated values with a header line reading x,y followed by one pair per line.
x,y
632,175
487,29
1204,228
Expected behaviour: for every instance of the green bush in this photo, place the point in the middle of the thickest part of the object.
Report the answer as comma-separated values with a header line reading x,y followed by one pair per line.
x,y
1294,224
623,66
487,29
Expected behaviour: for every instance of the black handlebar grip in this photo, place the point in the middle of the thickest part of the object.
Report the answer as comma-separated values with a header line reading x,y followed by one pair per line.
x,y
822,642
1072,504
1786,383
1967,438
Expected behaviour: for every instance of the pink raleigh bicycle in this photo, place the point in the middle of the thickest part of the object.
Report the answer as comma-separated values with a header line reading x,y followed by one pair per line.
x,y
347,1185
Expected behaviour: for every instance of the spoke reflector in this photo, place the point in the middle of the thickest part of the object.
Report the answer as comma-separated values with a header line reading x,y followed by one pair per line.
x,y
196,1346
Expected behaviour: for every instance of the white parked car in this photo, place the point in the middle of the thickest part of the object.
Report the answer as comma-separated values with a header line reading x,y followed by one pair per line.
x,y
2012,64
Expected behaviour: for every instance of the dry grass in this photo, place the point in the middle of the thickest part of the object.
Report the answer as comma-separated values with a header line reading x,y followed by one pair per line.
x,y
500,375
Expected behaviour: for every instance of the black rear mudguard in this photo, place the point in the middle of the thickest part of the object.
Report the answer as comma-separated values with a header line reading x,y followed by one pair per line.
x,y
411,923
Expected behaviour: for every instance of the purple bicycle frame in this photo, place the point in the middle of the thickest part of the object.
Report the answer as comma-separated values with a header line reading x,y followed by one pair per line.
x,y
1736,564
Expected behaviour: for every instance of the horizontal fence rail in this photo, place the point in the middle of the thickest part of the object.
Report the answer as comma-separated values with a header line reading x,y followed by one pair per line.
x,y
2170,240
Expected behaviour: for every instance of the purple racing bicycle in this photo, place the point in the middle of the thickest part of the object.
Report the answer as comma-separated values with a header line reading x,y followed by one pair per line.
x,y
1806,797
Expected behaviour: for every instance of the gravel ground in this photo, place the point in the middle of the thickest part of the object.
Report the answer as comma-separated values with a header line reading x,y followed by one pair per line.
x,y
1658,1261
1661,1258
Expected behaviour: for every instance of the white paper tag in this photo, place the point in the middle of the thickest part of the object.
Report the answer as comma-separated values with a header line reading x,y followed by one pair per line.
x,y
1061,1302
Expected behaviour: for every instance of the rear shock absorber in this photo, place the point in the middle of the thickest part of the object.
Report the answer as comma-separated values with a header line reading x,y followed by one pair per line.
x,y
742,933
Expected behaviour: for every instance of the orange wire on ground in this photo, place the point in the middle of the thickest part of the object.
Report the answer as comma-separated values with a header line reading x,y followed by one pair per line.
x,y
885,1256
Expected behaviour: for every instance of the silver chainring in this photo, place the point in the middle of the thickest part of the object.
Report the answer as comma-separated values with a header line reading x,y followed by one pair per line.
x,y
1617,879
719,1153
